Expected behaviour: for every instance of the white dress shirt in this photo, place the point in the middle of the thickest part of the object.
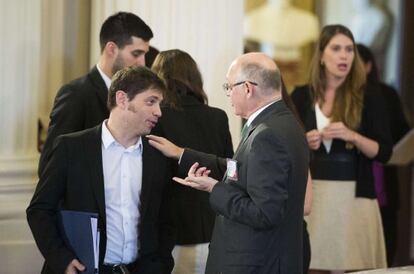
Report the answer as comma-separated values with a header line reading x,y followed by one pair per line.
x,y
257,112
105,77
122,169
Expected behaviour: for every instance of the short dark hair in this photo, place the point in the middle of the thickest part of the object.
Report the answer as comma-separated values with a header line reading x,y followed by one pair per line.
x,y
132,81
120,27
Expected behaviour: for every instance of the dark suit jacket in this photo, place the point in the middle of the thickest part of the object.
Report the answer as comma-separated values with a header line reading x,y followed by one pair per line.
x,y
73,180
79,105
203,128
260,214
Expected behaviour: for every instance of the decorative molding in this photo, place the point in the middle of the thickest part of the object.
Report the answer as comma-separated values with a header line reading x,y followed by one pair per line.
x,y
18,176
16,166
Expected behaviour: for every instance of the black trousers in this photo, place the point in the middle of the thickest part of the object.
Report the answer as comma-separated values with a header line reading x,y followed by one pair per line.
x,y
306,249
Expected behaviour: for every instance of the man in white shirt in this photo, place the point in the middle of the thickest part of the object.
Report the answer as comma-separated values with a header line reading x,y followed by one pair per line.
x,y
111,170
81,103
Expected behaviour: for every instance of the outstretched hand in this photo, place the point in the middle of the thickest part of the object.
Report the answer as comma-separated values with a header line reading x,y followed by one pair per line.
x,y
166,147
198,178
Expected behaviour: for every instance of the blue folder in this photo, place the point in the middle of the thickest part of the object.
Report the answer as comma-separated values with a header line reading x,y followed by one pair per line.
x,y
77,232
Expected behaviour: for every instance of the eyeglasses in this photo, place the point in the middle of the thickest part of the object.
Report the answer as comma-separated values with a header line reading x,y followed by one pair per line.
x,y
227,87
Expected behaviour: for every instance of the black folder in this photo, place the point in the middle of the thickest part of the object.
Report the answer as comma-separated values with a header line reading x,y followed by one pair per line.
x,y
82,237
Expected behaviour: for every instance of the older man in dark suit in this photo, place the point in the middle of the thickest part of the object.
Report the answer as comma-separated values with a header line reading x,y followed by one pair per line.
x,y
81,104
259,201
112,171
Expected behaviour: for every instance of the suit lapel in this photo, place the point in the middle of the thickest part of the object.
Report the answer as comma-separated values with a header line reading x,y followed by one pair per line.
x,y
147,173
101,89
242,141
93,146
273,108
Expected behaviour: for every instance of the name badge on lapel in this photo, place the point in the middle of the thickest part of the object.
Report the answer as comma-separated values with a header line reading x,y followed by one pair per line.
x,y
232,170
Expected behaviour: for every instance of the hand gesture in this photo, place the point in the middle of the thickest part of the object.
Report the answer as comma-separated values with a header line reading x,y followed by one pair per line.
x,y
314,138
166,147
338,130
198,178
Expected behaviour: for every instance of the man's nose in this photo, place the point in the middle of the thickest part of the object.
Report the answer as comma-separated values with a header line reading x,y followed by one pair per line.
x,y
140,61
157,111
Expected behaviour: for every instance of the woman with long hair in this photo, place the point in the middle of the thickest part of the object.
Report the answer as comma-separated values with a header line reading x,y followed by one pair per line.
x,y
188,121
346,131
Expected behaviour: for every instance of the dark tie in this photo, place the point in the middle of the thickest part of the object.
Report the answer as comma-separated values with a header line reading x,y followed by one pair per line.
x,y
244,132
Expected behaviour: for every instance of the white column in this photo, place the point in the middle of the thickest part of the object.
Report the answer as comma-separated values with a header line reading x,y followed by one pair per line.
x,y
211,31
19,73
64,49
52,52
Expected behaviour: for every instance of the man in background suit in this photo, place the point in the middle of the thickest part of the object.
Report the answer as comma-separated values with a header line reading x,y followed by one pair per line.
x,y
259,201
111,170
80,104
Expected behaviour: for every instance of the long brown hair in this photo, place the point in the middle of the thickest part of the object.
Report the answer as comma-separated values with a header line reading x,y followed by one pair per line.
x,y
349,95
181,75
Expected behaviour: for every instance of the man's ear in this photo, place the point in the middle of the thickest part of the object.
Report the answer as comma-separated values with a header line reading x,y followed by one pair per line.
x,y
249,89
111,49
121,99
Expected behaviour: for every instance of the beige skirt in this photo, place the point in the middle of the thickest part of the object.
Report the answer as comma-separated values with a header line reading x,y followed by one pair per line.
x,y
345,231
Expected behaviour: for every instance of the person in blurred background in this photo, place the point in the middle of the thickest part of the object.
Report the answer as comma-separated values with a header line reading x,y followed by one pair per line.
x,y
347,128
386,179
188,121
308,194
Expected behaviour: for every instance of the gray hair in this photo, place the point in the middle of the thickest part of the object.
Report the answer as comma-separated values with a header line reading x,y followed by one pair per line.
x,y
268,80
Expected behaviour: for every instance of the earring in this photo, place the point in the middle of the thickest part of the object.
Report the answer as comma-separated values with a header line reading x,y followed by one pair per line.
x,y
322,63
